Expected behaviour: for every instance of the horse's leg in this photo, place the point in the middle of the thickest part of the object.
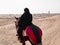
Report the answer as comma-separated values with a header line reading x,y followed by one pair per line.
x,y
31,42
23,43
27,38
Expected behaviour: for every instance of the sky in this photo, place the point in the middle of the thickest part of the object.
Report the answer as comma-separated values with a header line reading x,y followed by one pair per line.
x,y
35,6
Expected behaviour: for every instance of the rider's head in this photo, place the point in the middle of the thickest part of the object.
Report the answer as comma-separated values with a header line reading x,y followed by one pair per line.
x,y
26,10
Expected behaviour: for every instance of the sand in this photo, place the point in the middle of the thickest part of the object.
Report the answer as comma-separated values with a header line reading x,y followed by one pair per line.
x,y
49,25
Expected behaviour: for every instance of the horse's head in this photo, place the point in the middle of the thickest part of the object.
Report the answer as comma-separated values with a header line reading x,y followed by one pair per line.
x,y
16,22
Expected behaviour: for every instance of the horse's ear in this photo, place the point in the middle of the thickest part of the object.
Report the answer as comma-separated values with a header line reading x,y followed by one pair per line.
x,y
16,18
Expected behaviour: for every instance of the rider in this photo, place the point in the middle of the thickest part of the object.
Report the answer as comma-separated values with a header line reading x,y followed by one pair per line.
x,y
24,20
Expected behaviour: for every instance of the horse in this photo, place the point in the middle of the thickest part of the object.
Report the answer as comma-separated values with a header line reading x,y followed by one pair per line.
x,y
25,38
34,34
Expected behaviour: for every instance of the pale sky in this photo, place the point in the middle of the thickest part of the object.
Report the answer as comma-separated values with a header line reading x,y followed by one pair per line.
x,y
35,6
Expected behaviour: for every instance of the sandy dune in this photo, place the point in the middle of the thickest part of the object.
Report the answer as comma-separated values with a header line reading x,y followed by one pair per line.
x,y
49,25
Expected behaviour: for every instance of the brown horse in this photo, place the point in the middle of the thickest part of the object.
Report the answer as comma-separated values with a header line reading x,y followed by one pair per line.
x,y
25,38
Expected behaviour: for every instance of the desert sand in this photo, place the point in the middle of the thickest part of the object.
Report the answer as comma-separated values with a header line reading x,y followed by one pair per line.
x,y
50,27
